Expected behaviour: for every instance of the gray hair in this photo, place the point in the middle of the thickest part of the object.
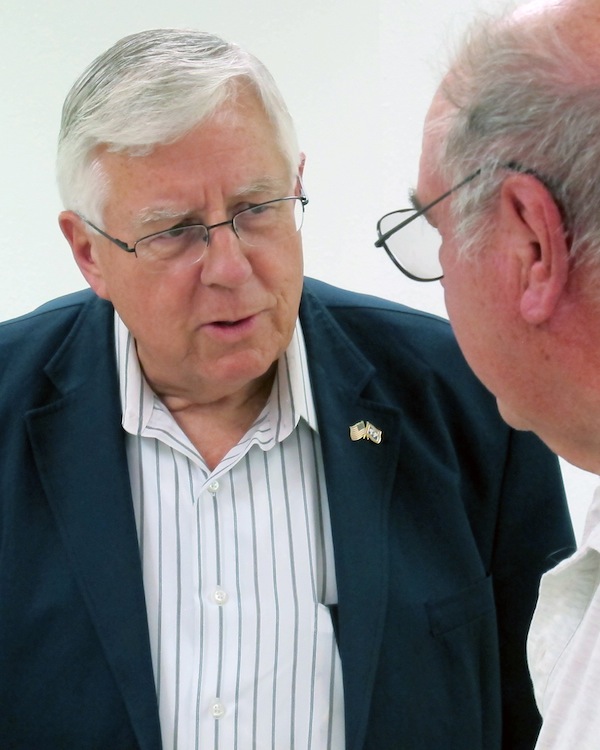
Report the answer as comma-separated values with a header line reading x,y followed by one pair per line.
x,y
523,97
152,88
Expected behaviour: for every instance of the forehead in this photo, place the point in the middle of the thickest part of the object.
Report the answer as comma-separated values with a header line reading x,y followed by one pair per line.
x,y
229,153
436,126
435,129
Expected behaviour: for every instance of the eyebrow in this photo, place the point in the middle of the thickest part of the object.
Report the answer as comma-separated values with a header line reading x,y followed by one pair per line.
x,y
263,185
413,198
149,214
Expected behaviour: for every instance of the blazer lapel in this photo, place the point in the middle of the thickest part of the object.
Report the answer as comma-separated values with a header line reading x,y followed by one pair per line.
x,y
79,450
360,476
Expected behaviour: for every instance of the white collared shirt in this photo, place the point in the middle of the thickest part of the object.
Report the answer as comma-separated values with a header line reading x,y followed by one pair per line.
x,y
564,646
238,570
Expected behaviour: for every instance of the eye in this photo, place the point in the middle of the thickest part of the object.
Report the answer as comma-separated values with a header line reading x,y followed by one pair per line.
x,y
189,232
175,240
258,209
174,233
257,215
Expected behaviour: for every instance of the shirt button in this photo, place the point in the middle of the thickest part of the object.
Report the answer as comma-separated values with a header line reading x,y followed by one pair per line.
x,y
213,487
220,596
217,709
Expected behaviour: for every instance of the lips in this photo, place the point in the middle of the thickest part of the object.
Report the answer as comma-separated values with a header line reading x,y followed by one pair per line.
x,y
231,323
228,330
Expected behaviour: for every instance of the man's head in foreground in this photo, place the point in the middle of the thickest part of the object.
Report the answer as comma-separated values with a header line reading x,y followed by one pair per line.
x,y
519,115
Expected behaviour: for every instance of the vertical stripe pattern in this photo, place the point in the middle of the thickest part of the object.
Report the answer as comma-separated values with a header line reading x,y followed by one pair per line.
x,y
238,571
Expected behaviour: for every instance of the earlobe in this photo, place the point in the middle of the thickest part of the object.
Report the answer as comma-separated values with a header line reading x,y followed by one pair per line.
x,y
83,251
538,244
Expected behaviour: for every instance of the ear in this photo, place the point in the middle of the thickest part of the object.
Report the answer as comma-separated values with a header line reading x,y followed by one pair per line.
x,y
534,234
81,240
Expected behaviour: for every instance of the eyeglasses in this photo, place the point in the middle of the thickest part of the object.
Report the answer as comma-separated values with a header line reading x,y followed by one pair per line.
x,y
263,224
416,253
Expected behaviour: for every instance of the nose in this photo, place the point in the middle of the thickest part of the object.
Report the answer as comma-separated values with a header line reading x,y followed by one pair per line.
x,y
224,262
210,227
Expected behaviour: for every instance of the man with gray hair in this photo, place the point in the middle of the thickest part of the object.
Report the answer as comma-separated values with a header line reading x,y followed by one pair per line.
x,y
240,508
509,178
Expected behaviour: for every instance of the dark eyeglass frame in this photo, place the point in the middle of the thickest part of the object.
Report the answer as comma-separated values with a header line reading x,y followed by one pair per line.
x,y
417,212
381,242
232,222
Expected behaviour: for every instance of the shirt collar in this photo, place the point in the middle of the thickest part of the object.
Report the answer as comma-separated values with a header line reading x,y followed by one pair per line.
x,y
291,396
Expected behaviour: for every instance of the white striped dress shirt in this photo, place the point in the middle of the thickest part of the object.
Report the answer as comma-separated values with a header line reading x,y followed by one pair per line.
x,y
238,570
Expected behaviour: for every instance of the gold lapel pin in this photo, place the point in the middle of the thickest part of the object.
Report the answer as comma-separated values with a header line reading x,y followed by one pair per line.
x,y
365,431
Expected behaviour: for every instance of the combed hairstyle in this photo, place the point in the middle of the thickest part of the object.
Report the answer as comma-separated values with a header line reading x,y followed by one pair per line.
x,y
522,96
152,88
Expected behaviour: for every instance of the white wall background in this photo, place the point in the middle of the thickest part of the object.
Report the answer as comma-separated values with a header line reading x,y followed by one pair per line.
x,y
358,76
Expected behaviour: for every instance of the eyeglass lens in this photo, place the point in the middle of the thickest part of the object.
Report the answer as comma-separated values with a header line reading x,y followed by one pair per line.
x,y
265,224
415,247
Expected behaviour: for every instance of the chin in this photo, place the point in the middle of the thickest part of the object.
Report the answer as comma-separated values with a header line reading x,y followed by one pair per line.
x,y
512,418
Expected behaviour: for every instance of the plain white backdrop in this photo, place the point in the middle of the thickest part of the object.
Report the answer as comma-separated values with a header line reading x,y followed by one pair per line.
x,y
357,75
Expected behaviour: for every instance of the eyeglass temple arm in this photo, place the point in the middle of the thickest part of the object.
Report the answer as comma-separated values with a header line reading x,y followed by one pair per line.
x,y
511,165
421,211
118,243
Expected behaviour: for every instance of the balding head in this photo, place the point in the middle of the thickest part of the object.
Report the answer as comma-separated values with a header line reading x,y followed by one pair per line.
x,y
519,113
524,93
577,22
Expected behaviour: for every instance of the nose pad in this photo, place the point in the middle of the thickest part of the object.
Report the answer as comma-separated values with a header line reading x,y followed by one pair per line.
x,y
224,262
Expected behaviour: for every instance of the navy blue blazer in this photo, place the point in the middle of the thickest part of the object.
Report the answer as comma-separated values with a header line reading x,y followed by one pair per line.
x,y
440,532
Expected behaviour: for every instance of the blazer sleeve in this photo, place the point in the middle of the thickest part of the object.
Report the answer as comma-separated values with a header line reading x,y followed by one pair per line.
x,y
452,521
533,534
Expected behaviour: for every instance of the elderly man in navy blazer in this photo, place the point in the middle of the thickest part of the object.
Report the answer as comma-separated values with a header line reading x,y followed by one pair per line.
x,y
240,508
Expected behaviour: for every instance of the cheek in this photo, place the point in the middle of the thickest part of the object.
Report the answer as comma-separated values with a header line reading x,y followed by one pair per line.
x,y
288,293
150,302
285,285
448,249
114,272
456,289
464,306
280,273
